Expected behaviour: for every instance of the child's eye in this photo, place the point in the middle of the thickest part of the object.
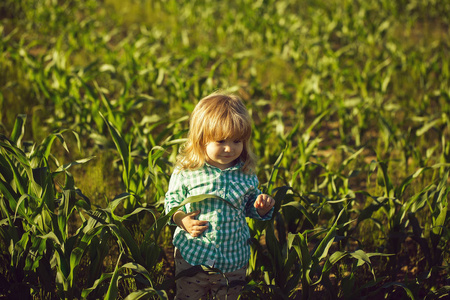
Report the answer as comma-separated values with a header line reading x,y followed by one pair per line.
x,y
237,141
220,142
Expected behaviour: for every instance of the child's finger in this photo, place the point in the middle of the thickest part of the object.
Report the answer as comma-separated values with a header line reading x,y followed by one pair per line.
x,y
201,228
194,213
266,202
198,230
259,201
201,223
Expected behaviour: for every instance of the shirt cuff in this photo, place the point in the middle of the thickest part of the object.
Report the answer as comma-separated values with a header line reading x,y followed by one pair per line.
x,y
171,221
267,216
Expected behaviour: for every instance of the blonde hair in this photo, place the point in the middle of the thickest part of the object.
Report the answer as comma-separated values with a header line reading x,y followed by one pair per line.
x,y
217,117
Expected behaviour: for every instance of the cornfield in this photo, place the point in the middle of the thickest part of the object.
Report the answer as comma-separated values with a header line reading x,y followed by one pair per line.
x,y
350,103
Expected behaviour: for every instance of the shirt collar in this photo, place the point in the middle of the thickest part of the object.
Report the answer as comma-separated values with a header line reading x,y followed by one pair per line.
x,y
236,166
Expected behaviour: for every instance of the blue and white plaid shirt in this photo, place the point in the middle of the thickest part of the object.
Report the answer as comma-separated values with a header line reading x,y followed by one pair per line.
x,y
225,244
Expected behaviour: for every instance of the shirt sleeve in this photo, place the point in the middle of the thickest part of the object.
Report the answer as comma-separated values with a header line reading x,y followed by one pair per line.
x,y
175,194
250,210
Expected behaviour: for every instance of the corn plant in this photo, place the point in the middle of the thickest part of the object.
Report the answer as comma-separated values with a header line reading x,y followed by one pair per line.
x,y
138,177
400,212
312,272
434,243
319,77
140,257
302,153
35,214
339,195
273,264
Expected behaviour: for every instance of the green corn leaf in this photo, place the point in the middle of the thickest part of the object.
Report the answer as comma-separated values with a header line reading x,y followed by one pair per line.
x,y
293,132
146,294
137,211
139,269
10,196
362,257
18,184
35,254
74,163
275,248
273,174
23,211
124,235
409,293
401,188
300,208
48,194
63,269
16,152
117,200
386,81
198,198
19,249
64,213
314,123
350,158
301,247
51,236
333,259
309,150
322,250
77,137
113,289
8,220
295,276
279,197
103,99
291,239
18,129
103,277
386,181
77,253
45,147
367,212
5,173
438,294
428,126
39,181
123,149
174,142
440,213
379,254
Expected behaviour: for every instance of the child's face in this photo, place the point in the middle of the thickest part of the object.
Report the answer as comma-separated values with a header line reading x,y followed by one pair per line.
x,y
222,154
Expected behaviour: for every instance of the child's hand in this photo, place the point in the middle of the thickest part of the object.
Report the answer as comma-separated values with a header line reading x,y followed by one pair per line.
x,y
264,204
188,222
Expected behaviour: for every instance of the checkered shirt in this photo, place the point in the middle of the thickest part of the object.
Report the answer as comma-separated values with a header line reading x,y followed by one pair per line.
x,y
225,244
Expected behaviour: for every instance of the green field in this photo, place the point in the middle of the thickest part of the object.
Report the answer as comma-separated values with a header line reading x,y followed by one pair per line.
x,y
351,107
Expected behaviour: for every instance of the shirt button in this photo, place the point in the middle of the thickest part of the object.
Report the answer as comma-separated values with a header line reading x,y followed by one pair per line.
x,y
218,227
217,246
219,210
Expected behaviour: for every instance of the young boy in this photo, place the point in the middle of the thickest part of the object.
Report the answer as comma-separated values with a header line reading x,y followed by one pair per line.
x,y
216,160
